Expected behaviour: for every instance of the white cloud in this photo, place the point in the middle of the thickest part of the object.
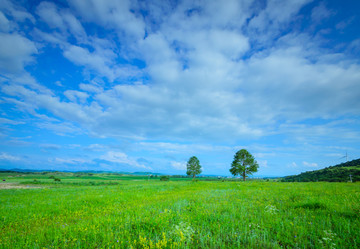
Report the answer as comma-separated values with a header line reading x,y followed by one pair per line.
x,y
7,157
73,96
292,165
206,80
176,148
96,147
178,165
74,26
74,161
263,163
320,12
60,128
49,13
337,155
15,52
68,111
101,61
4,23
90,88
272,19
55,37
209,104
300,88
12,122
354,46
311,165
230,43
122,158
16,11
50,146
61,19
111,14
95,61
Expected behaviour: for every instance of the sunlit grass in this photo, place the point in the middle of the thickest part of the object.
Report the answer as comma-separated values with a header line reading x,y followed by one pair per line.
x,y
182,214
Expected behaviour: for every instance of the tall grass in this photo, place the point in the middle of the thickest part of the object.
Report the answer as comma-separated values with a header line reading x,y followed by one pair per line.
x,y
182,214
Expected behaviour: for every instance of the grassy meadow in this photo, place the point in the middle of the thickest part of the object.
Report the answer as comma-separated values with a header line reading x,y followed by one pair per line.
x,y
113,211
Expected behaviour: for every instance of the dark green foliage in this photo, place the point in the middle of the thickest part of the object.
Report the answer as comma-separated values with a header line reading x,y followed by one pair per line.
x,y
193,167
244,164
164,178
312,205
337,173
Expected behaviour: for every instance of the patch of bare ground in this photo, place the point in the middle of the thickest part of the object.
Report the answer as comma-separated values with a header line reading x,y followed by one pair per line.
x,y
13,185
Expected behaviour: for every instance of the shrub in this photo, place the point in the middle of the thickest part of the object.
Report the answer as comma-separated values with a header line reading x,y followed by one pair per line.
x,y
313,205
164,178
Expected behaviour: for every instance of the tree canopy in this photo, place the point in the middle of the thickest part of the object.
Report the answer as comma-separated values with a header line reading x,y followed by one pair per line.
x,y
244,164
193,166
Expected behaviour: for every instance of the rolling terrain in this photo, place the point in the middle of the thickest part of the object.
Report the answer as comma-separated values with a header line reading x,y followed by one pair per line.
x,y
118,211
338,173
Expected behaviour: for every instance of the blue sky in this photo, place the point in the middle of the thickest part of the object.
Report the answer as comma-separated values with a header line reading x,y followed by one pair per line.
x,y
140,86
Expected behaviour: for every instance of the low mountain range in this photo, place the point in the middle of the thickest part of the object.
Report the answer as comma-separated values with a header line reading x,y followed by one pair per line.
x,y
343,172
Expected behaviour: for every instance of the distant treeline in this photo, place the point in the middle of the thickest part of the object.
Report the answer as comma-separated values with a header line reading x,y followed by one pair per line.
x,y
339,173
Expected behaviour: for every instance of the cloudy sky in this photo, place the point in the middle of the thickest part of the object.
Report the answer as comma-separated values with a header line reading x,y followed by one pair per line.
x,y
135,85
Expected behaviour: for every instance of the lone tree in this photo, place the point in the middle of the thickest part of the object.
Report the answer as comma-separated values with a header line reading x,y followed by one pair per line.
x,y
193,167
244,164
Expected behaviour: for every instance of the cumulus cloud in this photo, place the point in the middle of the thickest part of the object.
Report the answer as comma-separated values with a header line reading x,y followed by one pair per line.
x,y
101,61
16,11
192,72
15,52
75,96
95,61
62,20
49,13
90,88
200,87
122,158
112,14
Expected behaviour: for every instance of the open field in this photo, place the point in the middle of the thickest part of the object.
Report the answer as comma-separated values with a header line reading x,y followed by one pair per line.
x,y
109,211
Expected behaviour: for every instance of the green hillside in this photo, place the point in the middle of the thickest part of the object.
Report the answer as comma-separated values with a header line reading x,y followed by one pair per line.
x,y
337,173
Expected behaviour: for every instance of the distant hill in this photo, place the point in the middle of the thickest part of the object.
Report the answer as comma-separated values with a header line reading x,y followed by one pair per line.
x,y
43,171
338,173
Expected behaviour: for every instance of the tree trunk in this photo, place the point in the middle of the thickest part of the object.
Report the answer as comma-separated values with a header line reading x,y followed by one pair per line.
x,y
244,175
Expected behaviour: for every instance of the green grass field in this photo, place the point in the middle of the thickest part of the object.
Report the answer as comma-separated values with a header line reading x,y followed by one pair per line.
x,y
109,211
